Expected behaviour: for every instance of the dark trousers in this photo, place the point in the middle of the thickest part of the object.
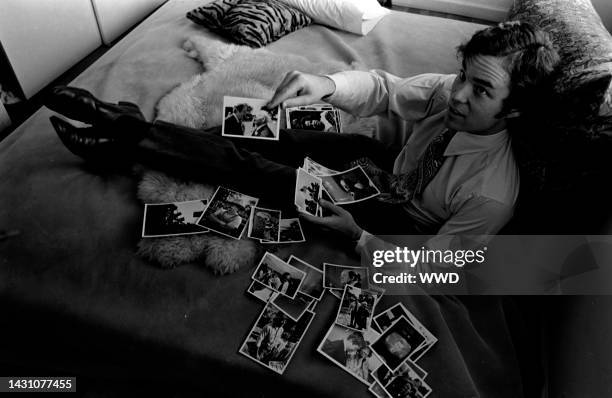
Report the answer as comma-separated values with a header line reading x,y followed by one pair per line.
x,y
261,168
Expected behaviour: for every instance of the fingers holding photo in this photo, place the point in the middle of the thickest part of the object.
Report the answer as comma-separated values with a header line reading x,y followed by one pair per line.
x,y
299,88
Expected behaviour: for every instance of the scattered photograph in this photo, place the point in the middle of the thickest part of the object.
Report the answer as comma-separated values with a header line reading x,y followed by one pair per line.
x,y
171,219
349,186
336,293
313,282
386,318
317,169
378,390
290,231
279,276
405,382
264,224
307,192
274,338
293,308
397,343
356,308
317,117
337,276
249,118
350,350
260,291
228,212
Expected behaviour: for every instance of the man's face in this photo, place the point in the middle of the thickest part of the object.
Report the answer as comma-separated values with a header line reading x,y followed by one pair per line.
x,y
477,96
397,345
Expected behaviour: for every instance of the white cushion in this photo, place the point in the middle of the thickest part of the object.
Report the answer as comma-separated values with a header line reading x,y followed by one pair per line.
x,y
355,16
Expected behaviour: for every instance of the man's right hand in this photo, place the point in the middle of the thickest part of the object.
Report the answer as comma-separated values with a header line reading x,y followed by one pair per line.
x,y
299,88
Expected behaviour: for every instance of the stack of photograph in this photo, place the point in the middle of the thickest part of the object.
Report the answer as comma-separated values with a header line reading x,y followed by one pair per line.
x,y
379,350
290,290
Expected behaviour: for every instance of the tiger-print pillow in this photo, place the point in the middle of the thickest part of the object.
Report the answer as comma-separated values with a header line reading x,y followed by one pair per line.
x,y
254,23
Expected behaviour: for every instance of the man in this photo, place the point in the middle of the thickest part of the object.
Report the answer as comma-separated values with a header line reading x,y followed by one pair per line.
x,y
456,174
233,122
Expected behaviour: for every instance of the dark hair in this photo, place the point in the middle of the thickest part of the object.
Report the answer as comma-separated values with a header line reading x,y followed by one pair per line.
x,y
530,59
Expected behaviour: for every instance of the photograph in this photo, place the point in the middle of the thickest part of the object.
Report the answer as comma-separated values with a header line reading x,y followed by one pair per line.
x,y
171,219
349,349
307,192
312,285
404,382
316,117
274,338
356,308
290,231
337,276
317,169
396,343
279,276
249,118
264,224
349,186
260,291
386,318
378,390
293,308
228,212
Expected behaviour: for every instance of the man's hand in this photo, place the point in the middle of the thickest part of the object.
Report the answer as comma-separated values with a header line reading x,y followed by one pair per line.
x,y
340,221
299,88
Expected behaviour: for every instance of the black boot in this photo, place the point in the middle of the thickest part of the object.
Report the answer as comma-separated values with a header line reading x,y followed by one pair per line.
x,y
79,104
90,143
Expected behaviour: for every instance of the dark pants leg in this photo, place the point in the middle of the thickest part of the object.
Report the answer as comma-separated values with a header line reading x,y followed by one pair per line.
x,y
265,169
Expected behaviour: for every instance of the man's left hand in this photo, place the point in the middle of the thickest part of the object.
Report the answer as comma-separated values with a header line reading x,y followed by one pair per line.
x,y
340,220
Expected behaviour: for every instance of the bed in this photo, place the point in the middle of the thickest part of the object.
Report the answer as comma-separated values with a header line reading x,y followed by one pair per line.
x,y
77,300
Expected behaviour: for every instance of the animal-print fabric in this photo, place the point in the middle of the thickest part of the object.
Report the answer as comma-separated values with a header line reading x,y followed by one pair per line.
x,y
250,22
583,82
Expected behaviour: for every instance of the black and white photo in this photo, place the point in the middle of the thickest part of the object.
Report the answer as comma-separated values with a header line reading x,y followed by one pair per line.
x,y
264,224
356,308
316,169
228,212
274,338
312,285
396,343
290,232
323,118
349,186
403,382
307,192
261,292
249,118
350,350
278,275
386,318
337,276
171,219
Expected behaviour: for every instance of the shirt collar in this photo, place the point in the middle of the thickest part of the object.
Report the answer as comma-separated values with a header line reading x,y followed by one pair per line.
x,y
463,143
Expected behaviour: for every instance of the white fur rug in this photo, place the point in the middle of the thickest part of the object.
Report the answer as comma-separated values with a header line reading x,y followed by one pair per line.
x,y
228,70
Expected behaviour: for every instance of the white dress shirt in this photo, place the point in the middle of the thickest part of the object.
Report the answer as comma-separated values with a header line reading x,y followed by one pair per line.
x,y
475,189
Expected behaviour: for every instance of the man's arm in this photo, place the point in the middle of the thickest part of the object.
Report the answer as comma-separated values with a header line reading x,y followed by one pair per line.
x,y
367,93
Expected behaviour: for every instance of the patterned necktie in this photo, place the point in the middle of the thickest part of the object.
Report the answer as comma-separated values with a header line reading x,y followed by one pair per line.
x,y
403,188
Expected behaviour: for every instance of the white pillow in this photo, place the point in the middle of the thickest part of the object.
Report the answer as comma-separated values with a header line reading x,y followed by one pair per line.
x,y
355,16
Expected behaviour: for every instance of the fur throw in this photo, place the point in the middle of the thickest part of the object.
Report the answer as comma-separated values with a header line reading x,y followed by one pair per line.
x,y
229,70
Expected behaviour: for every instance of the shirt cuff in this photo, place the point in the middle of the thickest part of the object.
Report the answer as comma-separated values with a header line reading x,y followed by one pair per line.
x,y
343,87
363,238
